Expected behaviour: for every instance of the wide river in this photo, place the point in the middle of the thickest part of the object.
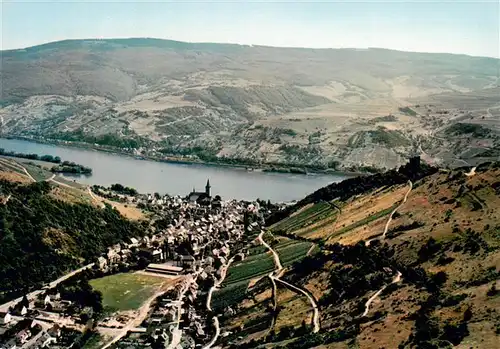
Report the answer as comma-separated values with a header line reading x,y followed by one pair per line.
x,y
152,176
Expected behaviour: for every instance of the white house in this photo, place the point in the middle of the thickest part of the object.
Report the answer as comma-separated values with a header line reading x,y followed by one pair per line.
x,y
4,318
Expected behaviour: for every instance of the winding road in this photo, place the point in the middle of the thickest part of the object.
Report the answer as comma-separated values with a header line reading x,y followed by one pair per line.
x,y
95,198
279,272
386,228
28,174
218,283
471,173
217,333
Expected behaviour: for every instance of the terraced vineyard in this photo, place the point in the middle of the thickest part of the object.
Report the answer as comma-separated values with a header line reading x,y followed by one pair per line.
x,y
229,295
260,262
7,165
291,251
309,216
252,267
364,221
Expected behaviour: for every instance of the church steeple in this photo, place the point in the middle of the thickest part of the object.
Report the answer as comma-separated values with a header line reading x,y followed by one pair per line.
x,y
207,187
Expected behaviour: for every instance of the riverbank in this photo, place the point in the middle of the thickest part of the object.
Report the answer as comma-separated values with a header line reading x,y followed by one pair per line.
x,y
262,167
174,178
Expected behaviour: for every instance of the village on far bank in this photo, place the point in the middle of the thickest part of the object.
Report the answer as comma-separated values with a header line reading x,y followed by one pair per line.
x,y
152,291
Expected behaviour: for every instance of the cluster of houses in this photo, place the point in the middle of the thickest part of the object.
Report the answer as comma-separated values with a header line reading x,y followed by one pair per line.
x,y
28,333
199,240
207,235
38,323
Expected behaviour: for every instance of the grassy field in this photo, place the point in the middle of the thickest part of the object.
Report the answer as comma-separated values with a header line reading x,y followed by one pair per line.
x,y
37,173
126,291
70,182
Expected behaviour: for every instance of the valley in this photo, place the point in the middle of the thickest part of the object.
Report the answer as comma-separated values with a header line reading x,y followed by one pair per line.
x,y
257,107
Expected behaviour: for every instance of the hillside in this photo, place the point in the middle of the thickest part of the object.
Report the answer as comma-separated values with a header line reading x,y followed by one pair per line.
x,y
48,229
395,265
327,108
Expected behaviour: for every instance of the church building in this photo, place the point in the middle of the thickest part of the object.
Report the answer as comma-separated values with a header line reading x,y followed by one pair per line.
x,y
197,196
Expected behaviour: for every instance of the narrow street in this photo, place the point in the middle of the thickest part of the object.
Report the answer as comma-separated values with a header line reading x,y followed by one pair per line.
x,y
177,332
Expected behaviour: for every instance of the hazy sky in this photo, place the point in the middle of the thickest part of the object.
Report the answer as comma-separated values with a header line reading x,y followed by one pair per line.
x,y
470,27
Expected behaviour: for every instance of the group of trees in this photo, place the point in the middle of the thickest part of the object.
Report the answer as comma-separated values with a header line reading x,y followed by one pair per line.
x,y
111,140
47,158
78,290
63,166
71,167
112,192
41,238
123,190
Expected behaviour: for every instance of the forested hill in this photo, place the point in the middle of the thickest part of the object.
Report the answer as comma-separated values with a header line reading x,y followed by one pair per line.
x,y
41,238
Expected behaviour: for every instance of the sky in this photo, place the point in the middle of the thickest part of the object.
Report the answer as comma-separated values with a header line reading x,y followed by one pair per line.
x,y
465,27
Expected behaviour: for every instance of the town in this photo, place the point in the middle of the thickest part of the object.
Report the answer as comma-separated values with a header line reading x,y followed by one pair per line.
x,y
190,242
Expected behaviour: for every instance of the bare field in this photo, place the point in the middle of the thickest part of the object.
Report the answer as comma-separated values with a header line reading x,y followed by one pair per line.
x,y
293,309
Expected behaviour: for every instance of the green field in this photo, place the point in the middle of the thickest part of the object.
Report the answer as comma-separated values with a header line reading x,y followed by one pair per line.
x,y
307,217
229,295
126,291
71,183
249,268
291,252
259,264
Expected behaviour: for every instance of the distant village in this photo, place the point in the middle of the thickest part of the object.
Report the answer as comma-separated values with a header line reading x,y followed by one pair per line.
x,y
193,240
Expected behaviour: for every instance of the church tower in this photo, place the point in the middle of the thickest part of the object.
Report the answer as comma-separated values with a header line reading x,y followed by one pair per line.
x,y
207,188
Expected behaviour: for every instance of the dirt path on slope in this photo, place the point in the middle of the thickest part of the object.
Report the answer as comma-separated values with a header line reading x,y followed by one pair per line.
x,y
410,184
279,272
396,279
216,285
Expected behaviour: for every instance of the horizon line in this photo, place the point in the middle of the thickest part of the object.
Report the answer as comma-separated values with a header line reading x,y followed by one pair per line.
x,y
240,44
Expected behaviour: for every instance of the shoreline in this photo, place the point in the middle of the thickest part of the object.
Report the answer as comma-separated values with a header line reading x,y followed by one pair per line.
x,y
265,167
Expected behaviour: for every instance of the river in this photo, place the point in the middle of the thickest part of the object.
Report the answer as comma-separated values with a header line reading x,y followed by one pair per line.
x,y
166,178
